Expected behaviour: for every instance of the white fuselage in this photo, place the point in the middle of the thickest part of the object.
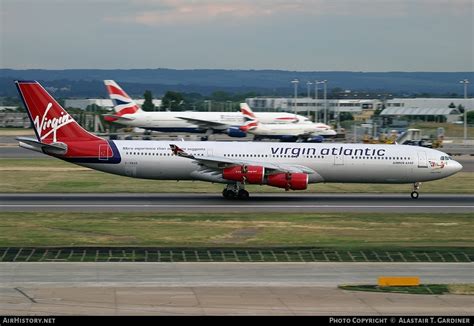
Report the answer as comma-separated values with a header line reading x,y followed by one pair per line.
x,y
361,163
173,120
292,129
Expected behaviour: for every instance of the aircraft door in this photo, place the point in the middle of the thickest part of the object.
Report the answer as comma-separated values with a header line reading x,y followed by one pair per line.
x,y
104,152
338,159
422,161
130,169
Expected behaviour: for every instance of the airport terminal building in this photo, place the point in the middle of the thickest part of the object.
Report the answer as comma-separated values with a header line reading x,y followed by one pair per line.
x,y
304,104
431,103
364,108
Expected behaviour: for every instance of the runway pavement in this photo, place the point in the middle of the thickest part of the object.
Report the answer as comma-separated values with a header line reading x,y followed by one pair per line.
x,y
225,274
270,202
223,288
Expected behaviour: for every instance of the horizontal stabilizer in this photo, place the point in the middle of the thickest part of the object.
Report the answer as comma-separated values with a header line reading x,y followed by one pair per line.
x,y
33,144
117,117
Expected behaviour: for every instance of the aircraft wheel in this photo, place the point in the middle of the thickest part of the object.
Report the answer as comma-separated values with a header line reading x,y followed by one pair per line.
x,y
414,194
243,194
228,194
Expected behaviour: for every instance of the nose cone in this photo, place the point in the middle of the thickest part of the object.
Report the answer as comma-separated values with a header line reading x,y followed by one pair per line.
x,y
457,167
454,167
328,132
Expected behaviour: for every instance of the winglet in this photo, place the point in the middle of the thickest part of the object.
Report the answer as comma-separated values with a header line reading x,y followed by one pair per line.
x,y
179,152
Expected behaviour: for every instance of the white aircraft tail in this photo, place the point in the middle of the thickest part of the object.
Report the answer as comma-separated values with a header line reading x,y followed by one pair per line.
x,y
123,104
251,121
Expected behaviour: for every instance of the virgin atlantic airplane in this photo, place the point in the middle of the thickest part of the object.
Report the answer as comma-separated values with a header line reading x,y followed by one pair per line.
x,y
235,164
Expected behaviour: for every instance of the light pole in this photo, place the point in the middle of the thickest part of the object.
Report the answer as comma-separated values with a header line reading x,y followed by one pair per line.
x,y
316,83
295,83
308,83
325,100
208,105
170,103
465,82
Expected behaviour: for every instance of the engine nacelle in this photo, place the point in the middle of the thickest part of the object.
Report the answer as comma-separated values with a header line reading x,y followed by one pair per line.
x,y
245,173
293,181
236,132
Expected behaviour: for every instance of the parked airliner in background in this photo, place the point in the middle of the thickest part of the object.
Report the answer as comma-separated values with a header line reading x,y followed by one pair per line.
x,y
287,132
128,113
236,164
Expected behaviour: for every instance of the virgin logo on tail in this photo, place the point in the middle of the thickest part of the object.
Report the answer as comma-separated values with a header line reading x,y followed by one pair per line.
x,y
47,126
49,119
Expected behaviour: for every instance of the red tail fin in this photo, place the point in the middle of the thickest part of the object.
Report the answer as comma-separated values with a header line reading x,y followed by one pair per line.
x,y
51,122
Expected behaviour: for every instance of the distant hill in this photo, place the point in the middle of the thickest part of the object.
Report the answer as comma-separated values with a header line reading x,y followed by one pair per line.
x,y
88,82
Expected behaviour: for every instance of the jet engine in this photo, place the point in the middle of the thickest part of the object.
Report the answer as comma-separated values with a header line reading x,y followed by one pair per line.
x,y
293,181
236,132
245,173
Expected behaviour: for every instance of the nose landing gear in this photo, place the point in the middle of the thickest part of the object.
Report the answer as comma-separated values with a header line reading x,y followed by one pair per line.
x,y
235,191
416,187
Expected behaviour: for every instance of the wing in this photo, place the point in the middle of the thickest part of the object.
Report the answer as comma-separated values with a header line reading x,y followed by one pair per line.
x,y
205,124
219,163
117,117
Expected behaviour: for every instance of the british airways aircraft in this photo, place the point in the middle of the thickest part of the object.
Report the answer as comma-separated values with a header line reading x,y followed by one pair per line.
x,y
128,113
288,131
235,164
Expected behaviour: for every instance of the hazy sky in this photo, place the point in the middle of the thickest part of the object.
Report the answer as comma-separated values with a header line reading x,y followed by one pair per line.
x,y
355,35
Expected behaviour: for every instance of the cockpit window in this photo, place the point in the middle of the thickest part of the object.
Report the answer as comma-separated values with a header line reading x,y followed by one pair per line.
x,y
446,158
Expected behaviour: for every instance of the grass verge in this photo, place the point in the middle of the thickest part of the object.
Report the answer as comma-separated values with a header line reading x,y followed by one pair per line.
x,y
338,230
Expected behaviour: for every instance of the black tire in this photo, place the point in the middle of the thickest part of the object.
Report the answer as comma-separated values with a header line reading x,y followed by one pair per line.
x,y
243,194
414,194
228,194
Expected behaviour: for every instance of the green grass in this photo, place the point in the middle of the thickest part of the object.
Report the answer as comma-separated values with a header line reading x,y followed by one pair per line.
x,y
421,289
450,129
11,131
337,230
49,175
461,288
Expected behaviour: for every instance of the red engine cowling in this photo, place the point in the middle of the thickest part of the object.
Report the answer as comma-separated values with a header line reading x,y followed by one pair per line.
x,y
293,181
245,173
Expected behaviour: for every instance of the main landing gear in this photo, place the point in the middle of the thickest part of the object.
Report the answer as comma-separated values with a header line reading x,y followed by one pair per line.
x,y
416,187
235,191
